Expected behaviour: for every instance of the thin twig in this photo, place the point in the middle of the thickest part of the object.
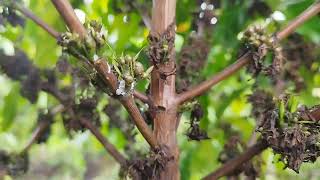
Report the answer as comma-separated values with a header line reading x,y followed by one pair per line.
x,y
36,19
69,16
246,58
142,97
37,133
232,165
107,145
41,127
143,13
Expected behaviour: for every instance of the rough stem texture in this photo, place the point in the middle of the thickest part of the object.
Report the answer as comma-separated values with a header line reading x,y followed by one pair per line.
x,y
246,58
163,90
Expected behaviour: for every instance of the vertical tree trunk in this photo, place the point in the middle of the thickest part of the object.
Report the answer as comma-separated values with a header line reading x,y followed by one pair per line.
x,y
163,90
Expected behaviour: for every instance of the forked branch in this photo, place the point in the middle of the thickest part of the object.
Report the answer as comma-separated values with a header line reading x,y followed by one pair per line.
x,y
66,11
142,97
246,58
110,79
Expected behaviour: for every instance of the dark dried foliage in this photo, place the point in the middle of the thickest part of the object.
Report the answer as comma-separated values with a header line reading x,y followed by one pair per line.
x,y
259,7
160,45
14,164
191,61
46,118
86,109
262,46
194,132
298,53
10,16
233,148
19,67
148,168
295,138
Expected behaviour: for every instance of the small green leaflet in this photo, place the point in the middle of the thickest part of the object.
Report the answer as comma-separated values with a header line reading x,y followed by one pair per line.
x,y
9,110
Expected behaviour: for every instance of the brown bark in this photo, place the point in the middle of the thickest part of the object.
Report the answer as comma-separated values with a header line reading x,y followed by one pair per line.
x,y
163,91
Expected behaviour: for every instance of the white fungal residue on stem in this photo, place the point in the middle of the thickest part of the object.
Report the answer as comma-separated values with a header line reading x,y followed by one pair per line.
x,y
121,88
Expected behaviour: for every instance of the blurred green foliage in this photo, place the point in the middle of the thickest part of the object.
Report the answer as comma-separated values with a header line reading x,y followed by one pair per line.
x,y
82,157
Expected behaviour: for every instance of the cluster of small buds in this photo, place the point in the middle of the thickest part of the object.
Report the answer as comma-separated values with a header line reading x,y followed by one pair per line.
x,y
129,70
97,32
256,36
257,39
88,48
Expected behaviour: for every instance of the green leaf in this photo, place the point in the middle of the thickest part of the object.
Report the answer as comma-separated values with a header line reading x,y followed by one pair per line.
x,y
293,104
281,110
9,110
228,100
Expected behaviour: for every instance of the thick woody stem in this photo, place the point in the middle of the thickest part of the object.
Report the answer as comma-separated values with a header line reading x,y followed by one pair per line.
x,y
162,90
106,144
246,58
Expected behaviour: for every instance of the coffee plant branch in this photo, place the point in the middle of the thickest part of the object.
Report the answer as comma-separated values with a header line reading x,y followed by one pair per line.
x,y
127,101
261,145
66,11
55,34
41,128
47,87
65,106
247,57
26,12
235,163
142,97
69,16
107,145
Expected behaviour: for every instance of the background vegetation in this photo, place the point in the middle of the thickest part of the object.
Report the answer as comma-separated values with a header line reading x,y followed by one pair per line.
x,y
226,111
